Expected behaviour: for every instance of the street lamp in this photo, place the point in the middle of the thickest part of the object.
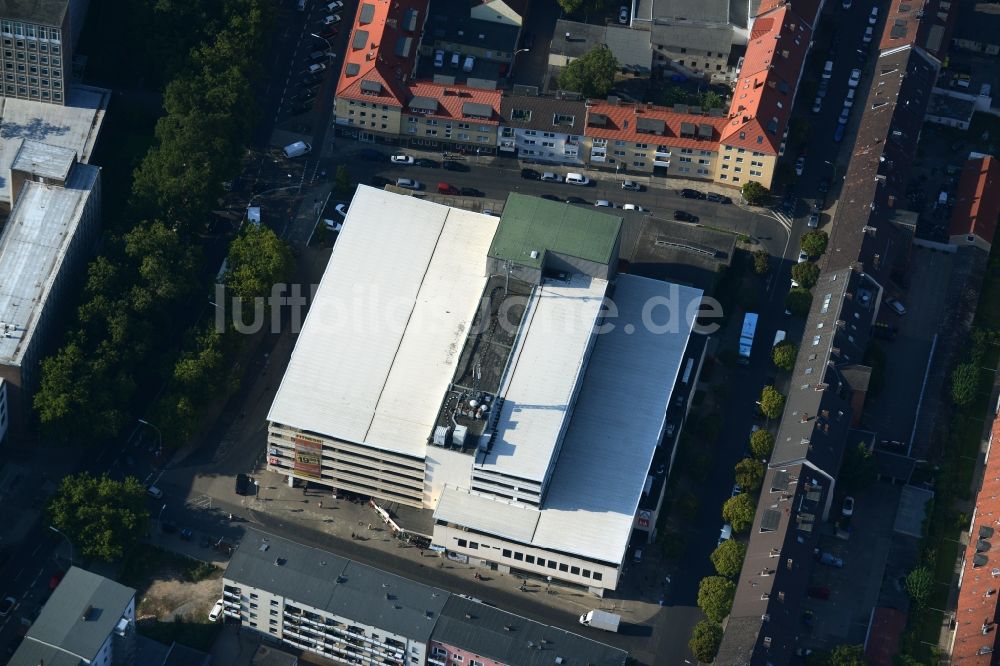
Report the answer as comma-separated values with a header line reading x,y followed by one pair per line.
x,y
67,541
159,518
510,72
159,435
313,34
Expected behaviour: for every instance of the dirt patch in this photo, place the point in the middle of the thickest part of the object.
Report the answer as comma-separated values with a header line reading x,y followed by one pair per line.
x,y
169,597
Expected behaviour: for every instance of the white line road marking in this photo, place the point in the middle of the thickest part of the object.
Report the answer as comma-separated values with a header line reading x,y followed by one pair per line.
x,y
35,551
18,576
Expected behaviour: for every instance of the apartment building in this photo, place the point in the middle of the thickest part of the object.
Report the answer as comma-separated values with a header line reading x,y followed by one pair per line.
x,y
53,226
545,129
644,139
89,619
38,38
353,613
976,213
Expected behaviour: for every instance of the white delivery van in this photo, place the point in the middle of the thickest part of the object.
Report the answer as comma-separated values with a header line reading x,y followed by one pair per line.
x,y
828,69
577,179
297,149
600,619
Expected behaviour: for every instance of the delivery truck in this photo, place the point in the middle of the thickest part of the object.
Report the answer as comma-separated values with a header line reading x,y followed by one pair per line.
x,y
599,619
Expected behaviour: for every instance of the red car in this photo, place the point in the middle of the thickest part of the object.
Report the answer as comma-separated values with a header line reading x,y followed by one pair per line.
x,y
818,592
55,580
445,188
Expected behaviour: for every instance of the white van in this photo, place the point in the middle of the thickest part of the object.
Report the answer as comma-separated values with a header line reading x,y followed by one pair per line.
x,y
297,149
470,62
577,179
828,69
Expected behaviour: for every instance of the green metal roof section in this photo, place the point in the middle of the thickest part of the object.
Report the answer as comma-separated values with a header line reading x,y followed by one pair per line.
x,y
530,223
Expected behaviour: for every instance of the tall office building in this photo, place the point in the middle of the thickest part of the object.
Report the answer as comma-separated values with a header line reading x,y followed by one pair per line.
x,y
38,38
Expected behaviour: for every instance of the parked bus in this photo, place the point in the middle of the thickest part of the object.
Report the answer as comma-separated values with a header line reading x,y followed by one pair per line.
x,y
746,336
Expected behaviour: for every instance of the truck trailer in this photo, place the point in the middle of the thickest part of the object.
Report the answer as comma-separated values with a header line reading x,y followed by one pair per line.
x,y
599,619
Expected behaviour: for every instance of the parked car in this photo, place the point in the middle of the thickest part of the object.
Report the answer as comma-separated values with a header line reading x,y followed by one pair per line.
x,y
718,198
550,177
800,165
426,163
439,58
316,68
868,35
847,508
470,192
831,560
896,306
329,33
849,99
725,534
409,184
855,78
688,193
577,179
242,484
333,225
803,257
154,492
604,203
634,207
684,216
185,534
330,20
551,197
824,185
530,174
318,55
341,209
631,185
334,6
400,158
452,165
873,16
56,579
845,115
7,605
312,79
576,200
817,104
818,592
447,188
623,15
736,490
838,134
216,612
813,220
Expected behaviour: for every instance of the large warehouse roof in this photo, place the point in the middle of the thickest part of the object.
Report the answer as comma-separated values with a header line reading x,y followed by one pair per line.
x,y
543,375
533,224
378,347
615,427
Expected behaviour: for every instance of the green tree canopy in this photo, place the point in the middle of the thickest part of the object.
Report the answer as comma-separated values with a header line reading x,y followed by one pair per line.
x,y
784,354
754,193
858,468
772,402
847,655
761,262
712,100
739,511
920,585
749,474
705,640
728,558
342,181
258,260
798,301
592,74
814,243
964,383
806,274
761,444
715,597
103,518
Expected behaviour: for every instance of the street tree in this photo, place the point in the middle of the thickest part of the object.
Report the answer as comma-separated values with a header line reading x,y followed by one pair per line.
x,y
783,355
847,655
728,558
749,474
715,597
739,511
102,517
806,274
705,640
814,243
592,74
754,193
258,260
920,585
798,301
761,262
964,384
772,402
712,100
761,444
342,181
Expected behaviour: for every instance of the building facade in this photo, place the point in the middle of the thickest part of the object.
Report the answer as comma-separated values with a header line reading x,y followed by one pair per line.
x,y
543,129
36,57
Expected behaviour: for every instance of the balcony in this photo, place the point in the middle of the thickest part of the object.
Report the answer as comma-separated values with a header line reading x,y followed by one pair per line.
x,y
661,163
662,155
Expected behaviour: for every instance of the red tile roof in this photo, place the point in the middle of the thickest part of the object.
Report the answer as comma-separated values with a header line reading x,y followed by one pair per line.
x,y
765,90
621,122
804,9
980,582
902,23
883,642
452,99
387,51
977,201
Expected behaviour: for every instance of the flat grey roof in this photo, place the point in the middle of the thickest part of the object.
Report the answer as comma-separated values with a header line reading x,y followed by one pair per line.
x,y
422,103
510,639
74,126
44,160
44,12
631,47
32,248
693,10
62,623
334,584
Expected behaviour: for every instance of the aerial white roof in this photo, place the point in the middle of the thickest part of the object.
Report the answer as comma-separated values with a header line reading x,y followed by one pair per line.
x,y
74,126
614,430
379,346
543,375
33,246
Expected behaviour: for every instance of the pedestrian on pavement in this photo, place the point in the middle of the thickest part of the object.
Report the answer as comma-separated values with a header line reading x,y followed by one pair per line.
x,y
321,504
